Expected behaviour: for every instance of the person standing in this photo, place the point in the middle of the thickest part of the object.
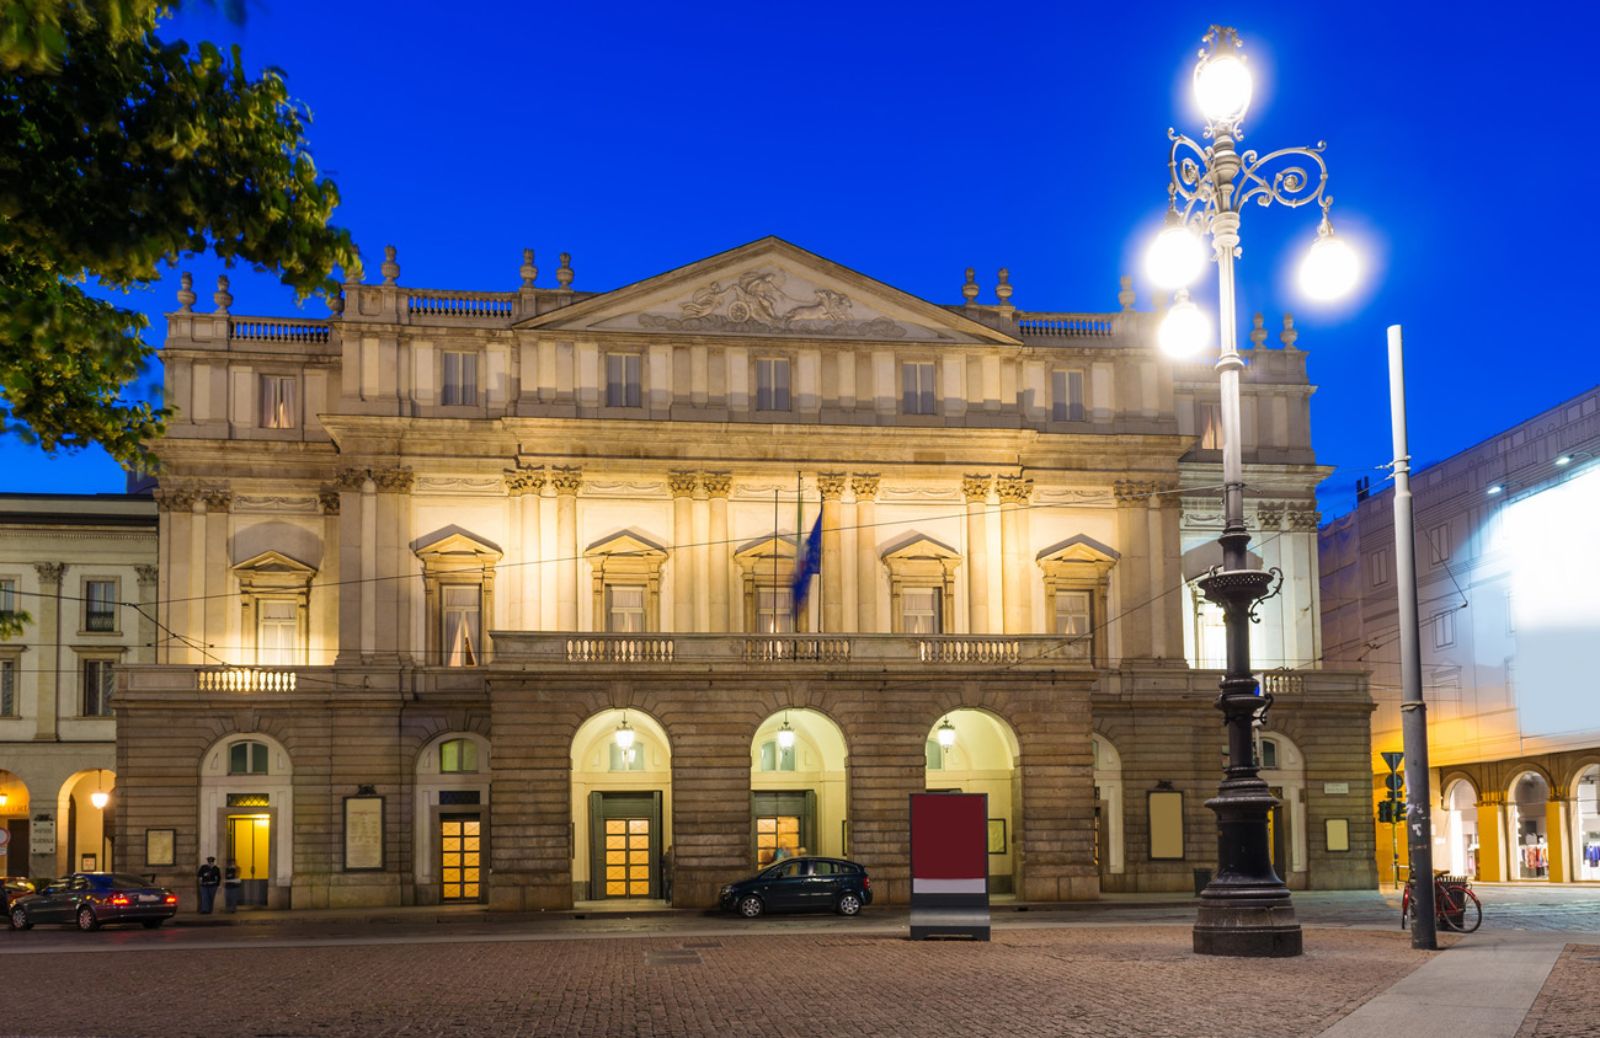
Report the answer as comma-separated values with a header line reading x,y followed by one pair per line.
x,y
209,877
231,886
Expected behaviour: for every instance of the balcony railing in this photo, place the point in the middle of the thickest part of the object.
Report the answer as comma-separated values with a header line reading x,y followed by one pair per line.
x,y
1061,325
489,306
278,329
245,679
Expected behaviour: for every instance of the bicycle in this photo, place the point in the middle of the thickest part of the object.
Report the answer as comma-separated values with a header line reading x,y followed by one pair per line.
x,y
1456,907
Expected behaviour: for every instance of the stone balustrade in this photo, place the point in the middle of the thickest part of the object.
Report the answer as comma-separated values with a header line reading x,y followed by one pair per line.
x,y
1064,325
245,679
277,329
486,306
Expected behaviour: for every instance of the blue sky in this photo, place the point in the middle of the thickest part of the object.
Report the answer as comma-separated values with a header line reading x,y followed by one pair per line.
x,y
912,141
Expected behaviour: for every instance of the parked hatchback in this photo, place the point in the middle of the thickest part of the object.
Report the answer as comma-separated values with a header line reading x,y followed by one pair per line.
x,y
801,885
92,899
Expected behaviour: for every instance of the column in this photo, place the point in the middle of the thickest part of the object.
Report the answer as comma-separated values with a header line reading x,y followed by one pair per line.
x,y
831,485
567,481
700,511
49,684
322,628
524,486
394,617
865,487
1166,637
1016,579
1557,822
354,590
1491,837
681,560
149,579
718,485
1132,572
976,491
220,607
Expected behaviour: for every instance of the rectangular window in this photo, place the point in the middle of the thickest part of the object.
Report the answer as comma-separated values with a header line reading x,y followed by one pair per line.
x,y
1208,419
920,612
8,595
774,610
625,608
100,605
916,388
1444,630
247,758
277,632
775,757
1439,544
622,380
99,681
462,614
1073,623
772,384
1378,567
459,387
277,401
8,688
1066,396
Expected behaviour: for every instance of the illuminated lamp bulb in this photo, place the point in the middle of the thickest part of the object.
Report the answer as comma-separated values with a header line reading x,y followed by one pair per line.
x,y
99,798
624,737
1496,488
1184,331
1222,86
946,734
1565,459
4,799
1176,256
1330,269
786,737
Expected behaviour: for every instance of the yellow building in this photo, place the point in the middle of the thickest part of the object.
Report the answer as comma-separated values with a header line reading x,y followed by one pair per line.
x,y
488,595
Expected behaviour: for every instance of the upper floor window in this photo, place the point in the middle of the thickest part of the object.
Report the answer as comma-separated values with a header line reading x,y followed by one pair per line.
x,y
8,595
1439,544
920,611
916,388
1444,630
277,401
100,605
459,384
622,380
461,611
1208,420
99,681
774,610
1269,754
1066,396
247,758
625,608
772,384
277,632
457,756
1073,621
1378,567
8,687
775,757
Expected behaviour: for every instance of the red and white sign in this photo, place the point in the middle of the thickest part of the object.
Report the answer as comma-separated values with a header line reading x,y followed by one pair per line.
x,y
949,865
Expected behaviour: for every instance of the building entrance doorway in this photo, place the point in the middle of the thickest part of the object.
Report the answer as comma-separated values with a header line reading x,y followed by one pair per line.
x,y
627,844
460,857
1530,848
786,821
1277,835
250,848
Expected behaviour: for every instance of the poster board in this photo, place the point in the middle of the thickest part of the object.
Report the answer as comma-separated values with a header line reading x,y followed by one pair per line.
x,y
160,847
363,833
949,865
1166,825
1338,830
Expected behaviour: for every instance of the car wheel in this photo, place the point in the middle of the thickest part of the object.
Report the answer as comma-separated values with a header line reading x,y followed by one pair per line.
x,y
849,904
86,920
750,906
151,924
19,919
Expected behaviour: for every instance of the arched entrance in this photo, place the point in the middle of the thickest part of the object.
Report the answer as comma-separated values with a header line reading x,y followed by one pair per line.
x,y
14,822
621,806
798,795
1526,805
973,751
85,822
1107,811
247,815
451,830
1586,823
1458,829
1283,769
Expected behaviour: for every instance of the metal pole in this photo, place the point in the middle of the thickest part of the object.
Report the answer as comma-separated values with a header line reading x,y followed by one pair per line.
x,y
1413,711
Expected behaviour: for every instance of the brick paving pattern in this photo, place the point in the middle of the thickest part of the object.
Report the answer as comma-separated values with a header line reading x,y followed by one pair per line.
x,y
1568,1005
1111,982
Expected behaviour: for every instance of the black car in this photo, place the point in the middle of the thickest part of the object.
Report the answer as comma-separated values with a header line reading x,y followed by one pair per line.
x,y
801,885
91,899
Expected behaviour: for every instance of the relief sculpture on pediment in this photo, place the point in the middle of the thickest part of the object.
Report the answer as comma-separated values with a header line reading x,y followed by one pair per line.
x,y
758,302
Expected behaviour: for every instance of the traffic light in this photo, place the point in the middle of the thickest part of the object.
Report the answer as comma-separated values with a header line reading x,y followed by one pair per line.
x,y
1386,811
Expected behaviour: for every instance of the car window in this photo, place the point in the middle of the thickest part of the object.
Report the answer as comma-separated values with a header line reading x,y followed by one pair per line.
x,y
788,870
77,883
824,868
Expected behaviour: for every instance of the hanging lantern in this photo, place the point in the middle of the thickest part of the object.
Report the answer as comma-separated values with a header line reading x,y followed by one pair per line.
x,y
99,798
946,734
785,735
624,736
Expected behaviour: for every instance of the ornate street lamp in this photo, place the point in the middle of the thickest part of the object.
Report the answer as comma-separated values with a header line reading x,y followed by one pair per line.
x,y
1246,909
946,734
785,734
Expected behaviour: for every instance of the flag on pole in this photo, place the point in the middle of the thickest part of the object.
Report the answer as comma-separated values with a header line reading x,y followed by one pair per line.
x,y
806,565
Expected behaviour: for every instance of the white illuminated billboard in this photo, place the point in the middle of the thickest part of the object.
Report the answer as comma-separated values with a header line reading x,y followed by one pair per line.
x,y
1552,540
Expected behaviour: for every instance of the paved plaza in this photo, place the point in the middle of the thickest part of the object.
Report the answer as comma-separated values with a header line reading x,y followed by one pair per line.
x,y
1119,968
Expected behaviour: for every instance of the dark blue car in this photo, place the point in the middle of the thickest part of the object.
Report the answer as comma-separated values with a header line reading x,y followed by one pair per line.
x,y
801,885
90,899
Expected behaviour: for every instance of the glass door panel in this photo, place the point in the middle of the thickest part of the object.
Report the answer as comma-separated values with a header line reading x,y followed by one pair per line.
x,y
250,848
774,832
460,857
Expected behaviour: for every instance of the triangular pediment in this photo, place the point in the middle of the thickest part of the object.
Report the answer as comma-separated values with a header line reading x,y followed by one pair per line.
x,y
920,547
766,548
768,288
628,544
458,545
274,563
1079,548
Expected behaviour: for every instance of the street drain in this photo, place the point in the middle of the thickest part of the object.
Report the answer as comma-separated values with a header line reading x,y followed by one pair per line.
x,y
672,958
702,944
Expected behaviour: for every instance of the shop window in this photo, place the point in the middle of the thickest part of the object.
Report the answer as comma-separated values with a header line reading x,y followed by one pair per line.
x,y
916,388
248,758
1066,395
458,383
100,605
623,387
775,757
461,630
458,756
278,401
772,384
8,686
99,682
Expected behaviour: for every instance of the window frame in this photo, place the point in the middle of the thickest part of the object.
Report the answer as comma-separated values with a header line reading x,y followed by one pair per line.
x,y
1064,405
768,565
277,380
772,390
111,616
625,560
920,563
250,747
466,753
631,391
1079,565
446,610
105,694
1444,628
454,394
10,588
1208,425
1439,544
10,685
1378,571
274,577
613,610
926,399
457,560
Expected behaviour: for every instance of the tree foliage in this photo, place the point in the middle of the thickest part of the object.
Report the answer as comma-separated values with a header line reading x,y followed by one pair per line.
x,y
123,153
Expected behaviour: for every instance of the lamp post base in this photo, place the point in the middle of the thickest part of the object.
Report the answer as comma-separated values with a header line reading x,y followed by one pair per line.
x,y
1246,927
1246,909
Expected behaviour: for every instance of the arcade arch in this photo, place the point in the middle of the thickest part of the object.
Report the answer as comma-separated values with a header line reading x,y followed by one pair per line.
x,y
450,832
1107,807
973,751
14,806
86,821
1458,829
799,796
621,805
1527,801
247,814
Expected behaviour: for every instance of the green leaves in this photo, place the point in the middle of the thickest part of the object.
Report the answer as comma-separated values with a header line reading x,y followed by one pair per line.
x,y
126,153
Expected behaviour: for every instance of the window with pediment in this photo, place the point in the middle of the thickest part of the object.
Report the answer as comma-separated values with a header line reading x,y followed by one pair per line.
x,y
458,591
922,595
275,594
1077,579
766,567
625,571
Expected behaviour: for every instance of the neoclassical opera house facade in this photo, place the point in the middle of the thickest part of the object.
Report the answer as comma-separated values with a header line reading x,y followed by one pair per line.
x,y
489,597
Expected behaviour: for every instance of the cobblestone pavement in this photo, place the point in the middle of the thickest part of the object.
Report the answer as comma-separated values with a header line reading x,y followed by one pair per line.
x,y
1105,982
1569,1004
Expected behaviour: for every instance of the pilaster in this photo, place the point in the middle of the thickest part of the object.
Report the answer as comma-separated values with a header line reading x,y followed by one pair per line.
x,y
718,485
50,616
831,485
1133,573
976,490
1016,584
865,488
567,481
682,485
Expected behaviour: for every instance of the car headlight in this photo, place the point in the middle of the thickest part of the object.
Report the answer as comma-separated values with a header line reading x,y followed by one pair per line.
x,y
727,889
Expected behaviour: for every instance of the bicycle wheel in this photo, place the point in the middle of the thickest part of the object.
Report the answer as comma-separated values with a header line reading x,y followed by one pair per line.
x,y
1467,911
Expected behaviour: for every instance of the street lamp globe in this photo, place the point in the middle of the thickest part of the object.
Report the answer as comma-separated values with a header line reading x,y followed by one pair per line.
x,y
786,736
1330,268
1184,331
1222,87
1176,257
99,798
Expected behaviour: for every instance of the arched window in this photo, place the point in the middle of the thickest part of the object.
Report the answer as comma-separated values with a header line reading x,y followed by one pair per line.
x,y
775,757
247,758
457,756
